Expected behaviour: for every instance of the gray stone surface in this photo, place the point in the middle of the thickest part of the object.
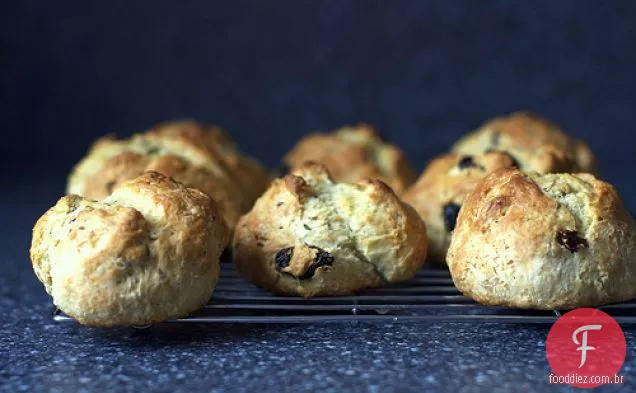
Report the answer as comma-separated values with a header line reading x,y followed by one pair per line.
x,y
39,355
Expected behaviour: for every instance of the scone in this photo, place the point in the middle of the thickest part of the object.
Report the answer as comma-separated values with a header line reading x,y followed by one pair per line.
x,y
310,236
147,253
554,241
351,154
199,156
534,142
439,193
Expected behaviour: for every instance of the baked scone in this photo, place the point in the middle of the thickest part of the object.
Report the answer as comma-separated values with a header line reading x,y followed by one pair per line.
x,y
554,241
310,236
199,156
439,193
351,154
148,252
534,142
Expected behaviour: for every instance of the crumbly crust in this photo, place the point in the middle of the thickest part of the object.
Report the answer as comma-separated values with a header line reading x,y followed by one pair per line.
x,y
536,143
310,236
199,156
555,241
147,253
352,154
441,189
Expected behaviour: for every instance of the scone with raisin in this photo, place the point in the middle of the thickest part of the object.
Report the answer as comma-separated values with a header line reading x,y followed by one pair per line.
x,y
310,236
534,142
439,193
199,156
352,154
148,252
553,241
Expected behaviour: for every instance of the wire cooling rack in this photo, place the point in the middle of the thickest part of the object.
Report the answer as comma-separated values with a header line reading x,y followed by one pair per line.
x,y
429,296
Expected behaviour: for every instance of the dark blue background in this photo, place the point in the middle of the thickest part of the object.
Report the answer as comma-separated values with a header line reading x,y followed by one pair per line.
x,y
269,71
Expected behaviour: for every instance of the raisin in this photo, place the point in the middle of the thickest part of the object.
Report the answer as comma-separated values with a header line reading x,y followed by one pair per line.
x,y
283,257
307,227
323,258
468,162
450,211
570,240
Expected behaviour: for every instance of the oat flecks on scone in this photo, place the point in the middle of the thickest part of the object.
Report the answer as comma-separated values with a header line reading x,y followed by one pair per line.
x,y
352,154
310,236
534,142
199,156
554,241
147,253
439,193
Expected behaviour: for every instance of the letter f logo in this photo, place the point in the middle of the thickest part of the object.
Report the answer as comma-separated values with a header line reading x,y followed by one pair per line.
x,y
584,347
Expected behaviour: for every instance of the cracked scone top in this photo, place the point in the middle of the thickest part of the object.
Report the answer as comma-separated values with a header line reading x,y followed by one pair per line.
x,y
554,241
148,252
352,154
535,143
310,236
196,155
440,191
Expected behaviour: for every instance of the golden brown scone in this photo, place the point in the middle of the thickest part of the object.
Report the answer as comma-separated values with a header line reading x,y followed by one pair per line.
x,y
148,252
534,142
199,156
439,193
554,241
310,236
351,154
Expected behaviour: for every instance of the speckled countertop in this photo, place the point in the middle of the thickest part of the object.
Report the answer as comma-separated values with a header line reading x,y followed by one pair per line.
x,y
423,71
39,355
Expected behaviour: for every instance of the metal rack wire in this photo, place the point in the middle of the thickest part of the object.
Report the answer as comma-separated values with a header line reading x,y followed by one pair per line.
x,y
429,296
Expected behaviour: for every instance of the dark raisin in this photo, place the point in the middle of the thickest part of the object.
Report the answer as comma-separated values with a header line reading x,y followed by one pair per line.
x,y
279,204
450,211
570,240
260,244
323,258
283,257
466,162
307,227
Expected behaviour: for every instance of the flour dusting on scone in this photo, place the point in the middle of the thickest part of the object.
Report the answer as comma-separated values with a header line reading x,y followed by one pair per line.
x,y
352,154
535,143
310,236
554,241
196,155
441,189
147,253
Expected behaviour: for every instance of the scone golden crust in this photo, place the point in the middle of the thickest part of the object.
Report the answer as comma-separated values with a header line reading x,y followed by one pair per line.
x,y
440,192
351,154
536,144
310,236
202,157
555,241
147,253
